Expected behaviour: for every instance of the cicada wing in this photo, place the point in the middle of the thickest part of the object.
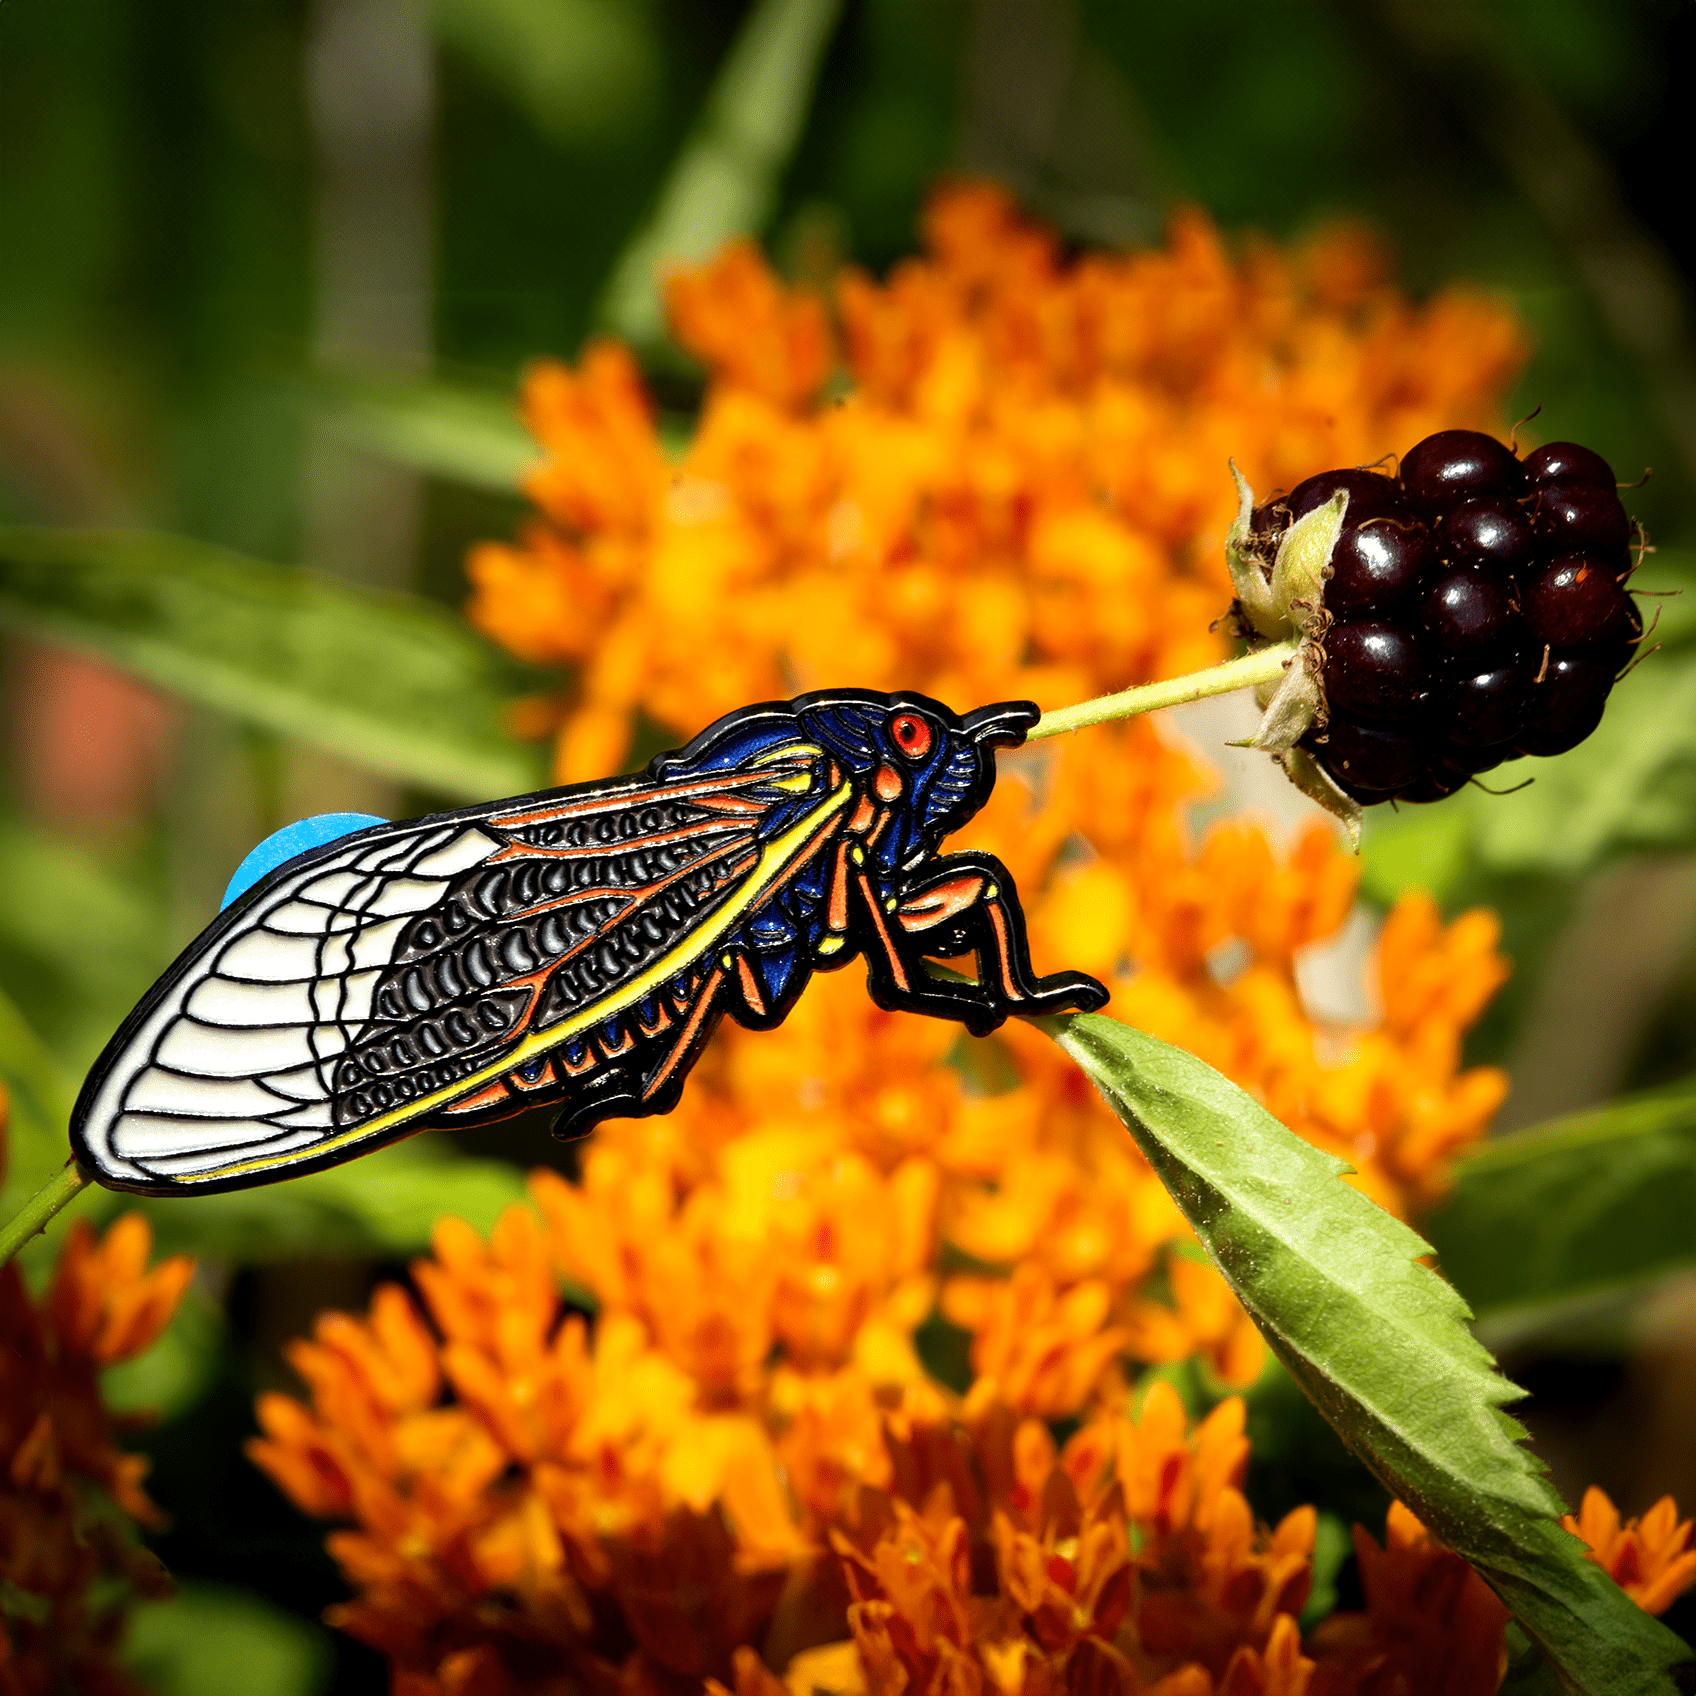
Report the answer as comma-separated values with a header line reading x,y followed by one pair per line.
x,y
361,993
228,1070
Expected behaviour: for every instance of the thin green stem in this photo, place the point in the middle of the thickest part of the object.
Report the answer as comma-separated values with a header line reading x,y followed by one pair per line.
x,y
41,1207
1266,666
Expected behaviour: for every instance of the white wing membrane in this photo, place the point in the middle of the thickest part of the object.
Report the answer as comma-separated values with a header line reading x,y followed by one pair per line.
x,y
393,976
236,1058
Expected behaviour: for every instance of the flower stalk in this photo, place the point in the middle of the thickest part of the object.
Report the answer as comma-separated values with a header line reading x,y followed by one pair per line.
x,y
1248,671
35,1214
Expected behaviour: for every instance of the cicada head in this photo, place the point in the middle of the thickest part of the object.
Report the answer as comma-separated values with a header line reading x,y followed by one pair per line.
x,y
910,753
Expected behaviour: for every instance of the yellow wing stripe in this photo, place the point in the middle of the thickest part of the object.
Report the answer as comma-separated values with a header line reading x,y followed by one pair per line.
x,y
774,858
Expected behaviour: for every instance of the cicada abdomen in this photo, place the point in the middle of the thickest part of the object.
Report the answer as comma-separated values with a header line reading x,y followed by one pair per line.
x,y
574,947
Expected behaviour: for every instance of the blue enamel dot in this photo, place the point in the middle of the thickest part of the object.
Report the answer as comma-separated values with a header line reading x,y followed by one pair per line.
x,y
298,838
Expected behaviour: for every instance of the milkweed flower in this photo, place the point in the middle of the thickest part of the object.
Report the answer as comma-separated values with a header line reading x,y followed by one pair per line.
x,y
69,1559
996,473
537,1504
1431,1623
1018,489
1649,1558
532,1502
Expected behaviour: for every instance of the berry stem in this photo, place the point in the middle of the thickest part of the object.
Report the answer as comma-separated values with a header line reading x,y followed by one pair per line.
x,y
35,1213
1264,666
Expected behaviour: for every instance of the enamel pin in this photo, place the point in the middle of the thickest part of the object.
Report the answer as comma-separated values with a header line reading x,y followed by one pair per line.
x,y
573,947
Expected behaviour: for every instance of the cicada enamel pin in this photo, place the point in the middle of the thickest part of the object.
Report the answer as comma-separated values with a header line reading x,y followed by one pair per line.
x,y
572,947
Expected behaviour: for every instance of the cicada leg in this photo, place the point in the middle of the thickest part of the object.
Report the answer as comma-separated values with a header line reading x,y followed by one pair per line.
x,y
964,903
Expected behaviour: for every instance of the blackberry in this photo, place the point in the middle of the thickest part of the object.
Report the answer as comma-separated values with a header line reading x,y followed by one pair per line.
x,y
1580,601
1479,610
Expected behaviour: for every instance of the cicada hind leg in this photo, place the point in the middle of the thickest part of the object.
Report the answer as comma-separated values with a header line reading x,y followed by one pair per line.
x,y
965,904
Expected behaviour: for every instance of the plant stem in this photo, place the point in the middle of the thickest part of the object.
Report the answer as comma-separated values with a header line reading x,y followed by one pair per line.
x,y
1266,666
41,1207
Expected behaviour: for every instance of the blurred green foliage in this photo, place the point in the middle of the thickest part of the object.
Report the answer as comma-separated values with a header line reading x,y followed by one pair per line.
x,y
211,1639
170,273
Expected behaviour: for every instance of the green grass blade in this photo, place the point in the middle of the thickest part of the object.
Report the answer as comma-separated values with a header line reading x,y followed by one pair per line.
x,y
1549,1219
39,1094
1378,1342
389,681
725,179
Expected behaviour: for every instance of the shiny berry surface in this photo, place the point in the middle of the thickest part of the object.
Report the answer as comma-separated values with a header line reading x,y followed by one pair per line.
x,y
1575,517
1378,562
1577,601
1480,610
1459,465
1566,705
1490,531
1486,708
1471,612
1375,672
1568,462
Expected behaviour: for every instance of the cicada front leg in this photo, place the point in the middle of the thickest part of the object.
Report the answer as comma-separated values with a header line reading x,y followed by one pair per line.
x,y
965,904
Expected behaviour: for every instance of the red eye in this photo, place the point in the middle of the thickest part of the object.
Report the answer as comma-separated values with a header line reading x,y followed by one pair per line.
x,y
911,734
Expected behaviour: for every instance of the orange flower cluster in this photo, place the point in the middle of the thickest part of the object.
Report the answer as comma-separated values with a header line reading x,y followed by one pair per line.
x,y
998,474
1015,486
1433,1624
582,1513
1018,488
69,1561
544,1508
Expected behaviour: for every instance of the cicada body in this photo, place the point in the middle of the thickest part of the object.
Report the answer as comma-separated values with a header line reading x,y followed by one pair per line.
x,y
573,947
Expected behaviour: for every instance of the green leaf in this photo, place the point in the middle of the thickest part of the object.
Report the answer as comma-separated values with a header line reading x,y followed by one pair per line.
x,y
1377,1341
382,1205
470,435
389,681
1552,1218
726,177
1332,1545
212,1639
454,431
